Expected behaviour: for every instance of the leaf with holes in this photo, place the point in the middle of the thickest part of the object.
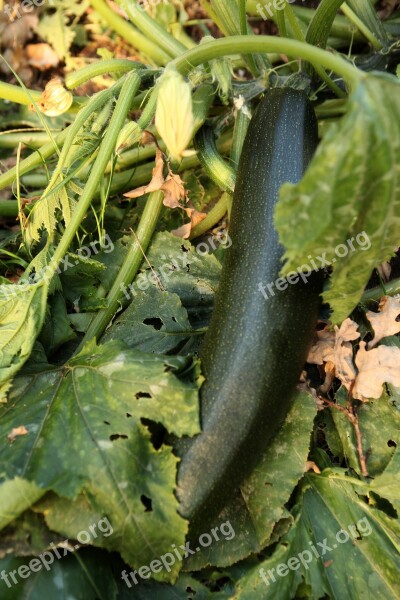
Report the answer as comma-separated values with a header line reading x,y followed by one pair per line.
x,y
89,432
350,218
155,322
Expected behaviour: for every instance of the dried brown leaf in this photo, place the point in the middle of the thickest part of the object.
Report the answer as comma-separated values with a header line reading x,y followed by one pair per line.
x,y
343,352
335,349
183,231
384,322
376,367
322,349
174,191
156,182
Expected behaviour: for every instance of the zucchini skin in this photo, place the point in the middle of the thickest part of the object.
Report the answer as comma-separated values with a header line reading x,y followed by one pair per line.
x,y
255,348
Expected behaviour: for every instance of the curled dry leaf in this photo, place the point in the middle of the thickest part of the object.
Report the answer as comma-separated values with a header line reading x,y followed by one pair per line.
x,y
376,367
174,195
17,431
384,322
334,348
156,182
174,191
343,352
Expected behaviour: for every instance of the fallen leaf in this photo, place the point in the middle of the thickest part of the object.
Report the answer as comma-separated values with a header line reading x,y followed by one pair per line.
x,y
376,367
174,191
343,352
322,349
183,231
17,431
156,182
384,322
334,348
311,466
41,56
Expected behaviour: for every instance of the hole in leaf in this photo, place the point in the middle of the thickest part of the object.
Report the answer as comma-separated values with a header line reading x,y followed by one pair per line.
x,y
142,395
106,423
128,415
184,249
147,503
117,436
174,320
154,322
392,444
157,431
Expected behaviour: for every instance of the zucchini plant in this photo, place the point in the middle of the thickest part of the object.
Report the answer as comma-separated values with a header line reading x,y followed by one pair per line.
x,y
199,356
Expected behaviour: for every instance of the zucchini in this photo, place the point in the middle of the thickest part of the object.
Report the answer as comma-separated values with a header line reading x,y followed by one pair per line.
x,y
255,348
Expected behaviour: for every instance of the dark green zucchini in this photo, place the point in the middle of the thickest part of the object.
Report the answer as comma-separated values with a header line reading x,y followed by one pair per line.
x,y
255,348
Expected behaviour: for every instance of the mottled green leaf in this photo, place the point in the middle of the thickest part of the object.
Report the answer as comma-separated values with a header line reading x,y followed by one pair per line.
x,y
16,495
338,547
154,322
350,191
83,575
261,505
22,312
379,422
86,435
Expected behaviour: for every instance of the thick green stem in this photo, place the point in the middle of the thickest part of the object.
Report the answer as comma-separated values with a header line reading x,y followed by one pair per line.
x,y
392,288
19,95
130,266
249,44
27,137
361,26
213,217
34,160
129,89
151,29
100,67
130,34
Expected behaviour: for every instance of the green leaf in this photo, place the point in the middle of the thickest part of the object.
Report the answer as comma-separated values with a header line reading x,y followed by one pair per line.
x,y
16,495
22,312
261,505
86,435
339,547
56,330
350,191
54,30
184,270
85,574
387,484
57,196
379,422
80,277
155,322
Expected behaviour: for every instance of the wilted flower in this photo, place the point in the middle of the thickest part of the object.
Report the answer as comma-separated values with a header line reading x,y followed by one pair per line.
x,y
55,99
